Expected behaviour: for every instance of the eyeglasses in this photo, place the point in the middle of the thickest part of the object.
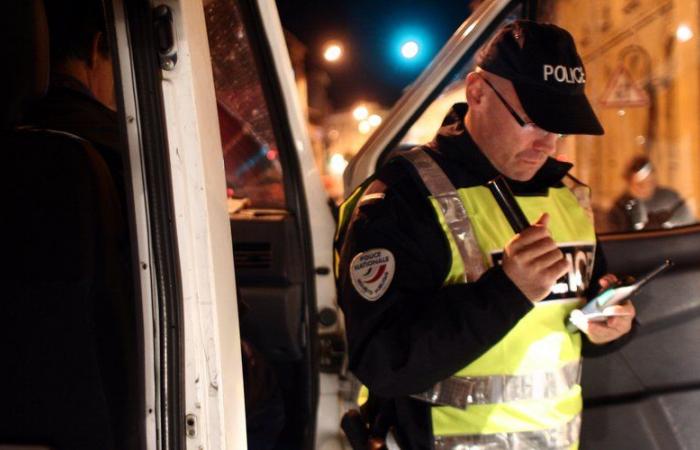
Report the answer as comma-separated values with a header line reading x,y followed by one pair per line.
x,y
525,124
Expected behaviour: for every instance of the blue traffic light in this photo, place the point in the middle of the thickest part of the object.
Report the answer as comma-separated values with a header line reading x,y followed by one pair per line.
x,y
410,47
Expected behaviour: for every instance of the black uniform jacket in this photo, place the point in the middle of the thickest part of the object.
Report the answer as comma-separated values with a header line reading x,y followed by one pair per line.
x,y
419,331
69,106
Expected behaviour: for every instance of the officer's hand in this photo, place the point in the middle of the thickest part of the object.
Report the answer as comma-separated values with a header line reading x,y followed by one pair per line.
x,y
613,327
606,281
533,261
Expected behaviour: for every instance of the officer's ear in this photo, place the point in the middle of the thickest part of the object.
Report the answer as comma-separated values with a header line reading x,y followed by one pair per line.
x,y
474,90
95,49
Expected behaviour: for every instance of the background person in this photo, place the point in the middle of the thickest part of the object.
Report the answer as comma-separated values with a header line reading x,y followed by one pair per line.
x,y
645,205
463,341
81,96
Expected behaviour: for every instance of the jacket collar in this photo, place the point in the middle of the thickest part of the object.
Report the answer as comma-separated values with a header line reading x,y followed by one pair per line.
x,y
454,143
65,81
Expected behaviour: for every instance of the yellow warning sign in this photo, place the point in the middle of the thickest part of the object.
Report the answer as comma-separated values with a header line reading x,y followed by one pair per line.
x,y
623,92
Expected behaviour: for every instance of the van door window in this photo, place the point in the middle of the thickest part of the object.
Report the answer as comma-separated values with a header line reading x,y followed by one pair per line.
x,y
271,244
251,157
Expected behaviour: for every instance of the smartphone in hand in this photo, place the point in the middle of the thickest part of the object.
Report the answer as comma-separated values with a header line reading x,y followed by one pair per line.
x,y
594,310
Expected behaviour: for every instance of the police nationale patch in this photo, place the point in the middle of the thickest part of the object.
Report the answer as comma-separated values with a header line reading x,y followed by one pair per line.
x,y
371,272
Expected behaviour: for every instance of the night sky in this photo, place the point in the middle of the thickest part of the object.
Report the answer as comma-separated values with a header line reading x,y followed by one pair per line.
x,y
372,32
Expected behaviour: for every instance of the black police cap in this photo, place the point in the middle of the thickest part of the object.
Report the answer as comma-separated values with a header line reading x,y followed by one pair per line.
x,y
547,73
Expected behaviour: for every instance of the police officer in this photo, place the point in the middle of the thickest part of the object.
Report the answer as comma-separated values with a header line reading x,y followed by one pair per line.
x,y
454,322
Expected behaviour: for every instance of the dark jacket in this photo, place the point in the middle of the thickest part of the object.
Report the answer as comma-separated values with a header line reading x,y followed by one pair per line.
x,y
665,209
70,107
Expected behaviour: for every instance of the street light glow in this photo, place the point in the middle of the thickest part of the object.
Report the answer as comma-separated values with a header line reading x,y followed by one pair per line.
x,y
684,33
360,113
337,164
409,49
364,127
374,120
333,52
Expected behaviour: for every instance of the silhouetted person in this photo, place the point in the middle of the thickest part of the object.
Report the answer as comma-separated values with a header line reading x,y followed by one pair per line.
x,y
81,101
81,95
646,205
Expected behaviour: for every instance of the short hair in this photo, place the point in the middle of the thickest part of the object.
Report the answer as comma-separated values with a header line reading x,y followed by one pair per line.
x,y
638,164
72,26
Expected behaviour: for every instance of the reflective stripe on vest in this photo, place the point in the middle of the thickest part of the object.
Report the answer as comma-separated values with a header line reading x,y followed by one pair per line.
x,y
453,212
345,211
561,438
460,392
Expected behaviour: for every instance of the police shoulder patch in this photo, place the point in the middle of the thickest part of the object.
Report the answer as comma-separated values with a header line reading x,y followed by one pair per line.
x,y
371,272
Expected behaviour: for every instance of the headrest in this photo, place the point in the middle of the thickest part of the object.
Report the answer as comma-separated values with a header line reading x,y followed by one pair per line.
x,y
24,44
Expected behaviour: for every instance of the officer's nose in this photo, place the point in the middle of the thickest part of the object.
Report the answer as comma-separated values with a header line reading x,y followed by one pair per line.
x,y
547,143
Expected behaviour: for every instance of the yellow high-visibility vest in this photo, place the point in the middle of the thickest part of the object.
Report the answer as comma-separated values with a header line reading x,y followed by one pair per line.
x,y
538,349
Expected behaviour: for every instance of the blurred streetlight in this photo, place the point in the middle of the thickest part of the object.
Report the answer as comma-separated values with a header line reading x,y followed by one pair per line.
x,y
332,52
374,120
409,49
360,113
337,164
364,127
684,33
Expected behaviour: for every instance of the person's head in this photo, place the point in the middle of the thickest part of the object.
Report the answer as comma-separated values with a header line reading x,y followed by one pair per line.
x,y
527,91
79,46
641,178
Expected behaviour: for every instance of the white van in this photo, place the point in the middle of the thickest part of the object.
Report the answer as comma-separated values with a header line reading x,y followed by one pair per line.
x,y
207,102
183,69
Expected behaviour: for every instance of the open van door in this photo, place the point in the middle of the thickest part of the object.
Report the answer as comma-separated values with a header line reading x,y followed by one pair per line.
x,y
644,395
120,309
223,175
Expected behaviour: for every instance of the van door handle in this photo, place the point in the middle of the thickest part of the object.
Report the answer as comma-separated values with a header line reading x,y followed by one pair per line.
x,y
165,37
